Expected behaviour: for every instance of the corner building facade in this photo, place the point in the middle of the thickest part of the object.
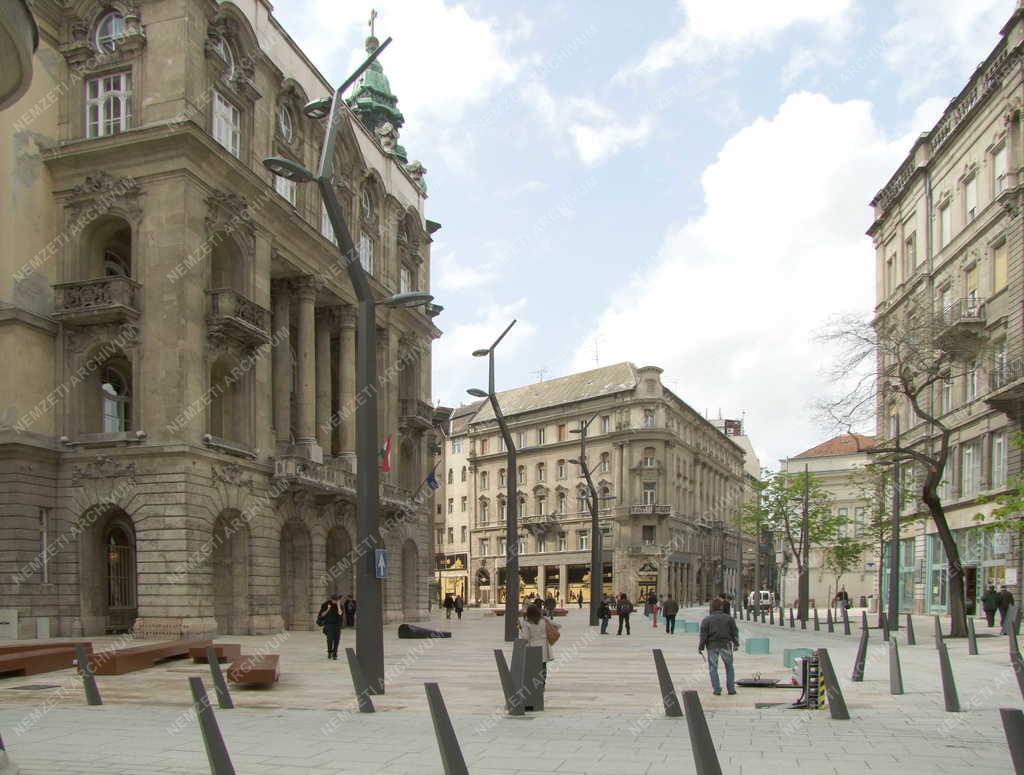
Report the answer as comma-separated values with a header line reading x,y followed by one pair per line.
x,y
177,434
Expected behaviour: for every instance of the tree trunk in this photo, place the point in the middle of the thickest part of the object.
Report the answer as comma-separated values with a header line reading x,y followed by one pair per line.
x,y
881,576
958,618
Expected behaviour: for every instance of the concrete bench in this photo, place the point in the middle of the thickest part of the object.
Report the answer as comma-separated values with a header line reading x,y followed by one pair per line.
x,y
225,652
18,648
37,661
790,655
128,660
254,670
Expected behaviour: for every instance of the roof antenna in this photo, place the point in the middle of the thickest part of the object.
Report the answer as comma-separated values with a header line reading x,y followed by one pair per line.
x,y
540,373
597,357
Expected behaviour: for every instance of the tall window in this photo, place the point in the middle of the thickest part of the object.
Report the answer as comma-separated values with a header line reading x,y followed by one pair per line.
x,y
108,104
501,477
521,474
483,480
583,539
648,418
649,534
109,30
440,537
890,275
456,446
484,512
605,462
946,395
945,225
970,461
484,444
606,424
366,252
542,505
501,546
542,472
224,51
999,267
405,282
521,440
648,459
462,504
284,123
971,381
462,534
998,459
650,493
462,476
451,476
44,544
970,198
485,547
542,544
562,432
563,544
325,224
285,188
116,398
226,125
540,436
910,253
451,505
561,469
562,502
999,164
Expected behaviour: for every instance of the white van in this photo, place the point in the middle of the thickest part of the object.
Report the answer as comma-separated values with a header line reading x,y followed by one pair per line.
x,y
766,603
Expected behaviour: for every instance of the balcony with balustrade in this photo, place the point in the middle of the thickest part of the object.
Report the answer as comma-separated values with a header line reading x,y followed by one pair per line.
x,y
1006,386
92,302
961,326
414,414
231,315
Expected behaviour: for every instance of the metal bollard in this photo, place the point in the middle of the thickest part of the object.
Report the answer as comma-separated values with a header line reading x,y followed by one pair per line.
x,y
1013,728
359,682
938,632
885,626
972,639
216,752
911,640
668,690
1017,664
92,691
792,621
895,673
771,616
863,620
704,755
762,616
846,621
861,658
948,686
836,702
828,620
448,744
219,684
517,669
513,700
817,622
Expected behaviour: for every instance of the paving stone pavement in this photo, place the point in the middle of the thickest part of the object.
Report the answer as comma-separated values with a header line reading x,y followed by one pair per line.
x,y
603,715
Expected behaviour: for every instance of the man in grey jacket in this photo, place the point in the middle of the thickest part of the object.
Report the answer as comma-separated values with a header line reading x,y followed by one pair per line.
x,y
719,633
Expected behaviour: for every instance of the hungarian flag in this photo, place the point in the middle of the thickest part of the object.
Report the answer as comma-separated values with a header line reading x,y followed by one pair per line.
x,y
385,456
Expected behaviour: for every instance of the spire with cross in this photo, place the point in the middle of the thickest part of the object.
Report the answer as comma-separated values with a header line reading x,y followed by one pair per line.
x,y
373,18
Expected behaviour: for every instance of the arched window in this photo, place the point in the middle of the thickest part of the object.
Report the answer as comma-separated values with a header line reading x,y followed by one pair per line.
x,y
541,472
562,503
501,477
284,123
367,204
223,49
521,472
501,509
561,469
605,462
115,388
109,30
484,509
463,476
581,501
483,480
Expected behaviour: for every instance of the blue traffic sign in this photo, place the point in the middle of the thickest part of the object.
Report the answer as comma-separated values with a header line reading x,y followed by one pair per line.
x,y
380,563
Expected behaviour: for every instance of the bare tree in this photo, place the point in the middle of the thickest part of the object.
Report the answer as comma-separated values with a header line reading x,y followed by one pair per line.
x,y
904,367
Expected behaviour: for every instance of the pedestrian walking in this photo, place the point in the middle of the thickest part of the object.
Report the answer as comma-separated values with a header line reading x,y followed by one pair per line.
x,y
349,607
329,619
719,634
726,608
669,610
649,603
990,604
624,608
604,613
549,606
459,604
842,599
579,599
1005,601
448,604
538,631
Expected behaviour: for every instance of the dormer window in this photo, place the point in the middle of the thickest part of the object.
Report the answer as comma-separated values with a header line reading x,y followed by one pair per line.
x,y
284,123
224,51
109,30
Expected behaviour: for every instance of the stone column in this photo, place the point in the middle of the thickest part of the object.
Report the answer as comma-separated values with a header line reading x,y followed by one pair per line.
x,y
305,292
347,382
323,379
282,363
563,584
541,580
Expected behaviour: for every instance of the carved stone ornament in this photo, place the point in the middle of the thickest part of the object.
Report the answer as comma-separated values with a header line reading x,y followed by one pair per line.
x,y
98,194
103,467
417,172
81,52
231,473
1011,111
387,136
79,339
231,214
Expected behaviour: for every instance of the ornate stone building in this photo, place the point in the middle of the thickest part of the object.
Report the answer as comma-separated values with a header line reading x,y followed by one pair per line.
x,y
947,232
669,484
176,418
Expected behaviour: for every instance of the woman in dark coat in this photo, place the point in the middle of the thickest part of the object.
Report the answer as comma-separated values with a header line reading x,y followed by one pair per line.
x,y
330,617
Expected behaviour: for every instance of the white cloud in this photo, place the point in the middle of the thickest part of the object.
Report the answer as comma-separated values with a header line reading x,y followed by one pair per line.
x,y
731,303
453,275
596,132
454,368
932,39
728,27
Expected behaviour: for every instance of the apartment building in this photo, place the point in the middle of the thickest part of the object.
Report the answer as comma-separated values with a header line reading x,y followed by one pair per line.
x,y
947,232
177,438
454,508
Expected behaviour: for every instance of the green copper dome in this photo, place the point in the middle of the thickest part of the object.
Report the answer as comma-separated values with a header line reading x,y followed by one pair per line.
x,y
372,100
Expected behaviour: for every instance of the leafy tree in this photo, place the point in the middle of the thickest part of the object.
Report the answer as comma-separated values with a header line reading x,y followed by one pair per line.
x,y
842,556
779,508
901,366
1008,516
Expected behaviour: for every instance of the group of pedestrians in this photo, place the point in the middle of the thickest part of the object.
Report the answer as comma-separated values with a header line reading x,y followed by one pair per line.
x,y
993,601
334,615
455,603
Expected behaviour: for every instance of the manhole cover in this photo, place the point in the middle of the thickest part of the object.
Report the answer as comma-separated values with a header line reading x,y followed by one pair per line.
x,y
34,687
762,683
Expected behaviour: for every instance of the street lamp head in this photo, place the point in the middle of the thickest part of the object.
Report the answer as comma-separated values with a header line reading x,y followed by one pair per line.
x,y
411,299
575,430
317,109
481,353
477,393
286,168
573,461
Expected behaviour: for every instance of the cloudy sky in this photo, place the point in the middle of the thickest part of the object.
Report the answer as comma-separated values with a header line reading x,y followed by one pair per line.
x,y
679,182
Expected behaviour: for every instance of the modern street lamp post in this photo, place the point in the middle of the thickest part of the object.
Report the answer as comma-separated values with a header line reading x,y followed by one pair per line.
x,y
596,557
369,632
512,489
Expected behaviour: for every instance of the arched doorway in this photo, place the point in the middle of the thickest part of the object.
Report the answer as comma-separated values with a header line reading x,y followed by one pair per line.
x,y
410,558
339,563
230,574
109,579
296,603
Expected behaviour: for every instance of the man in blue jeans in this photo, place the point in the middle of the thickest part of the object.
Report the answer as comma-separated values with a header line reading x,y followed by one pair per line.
x,y
719,633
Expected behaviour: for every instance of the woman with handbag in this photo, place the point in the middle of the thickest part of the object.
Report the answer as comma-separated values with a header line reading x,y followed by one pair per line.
x,y
330,619
537,630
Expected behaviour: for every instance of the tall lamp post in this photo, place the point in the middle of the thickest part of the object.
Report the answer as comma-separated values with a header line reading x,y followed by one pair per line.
x,y
370,631
512,488
596,558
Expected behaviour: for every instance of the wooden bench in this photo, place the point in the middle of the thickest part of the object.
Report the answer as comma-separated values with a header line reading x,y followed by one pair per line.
x,y
128,660
19,648
225,652
253,670
37,661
